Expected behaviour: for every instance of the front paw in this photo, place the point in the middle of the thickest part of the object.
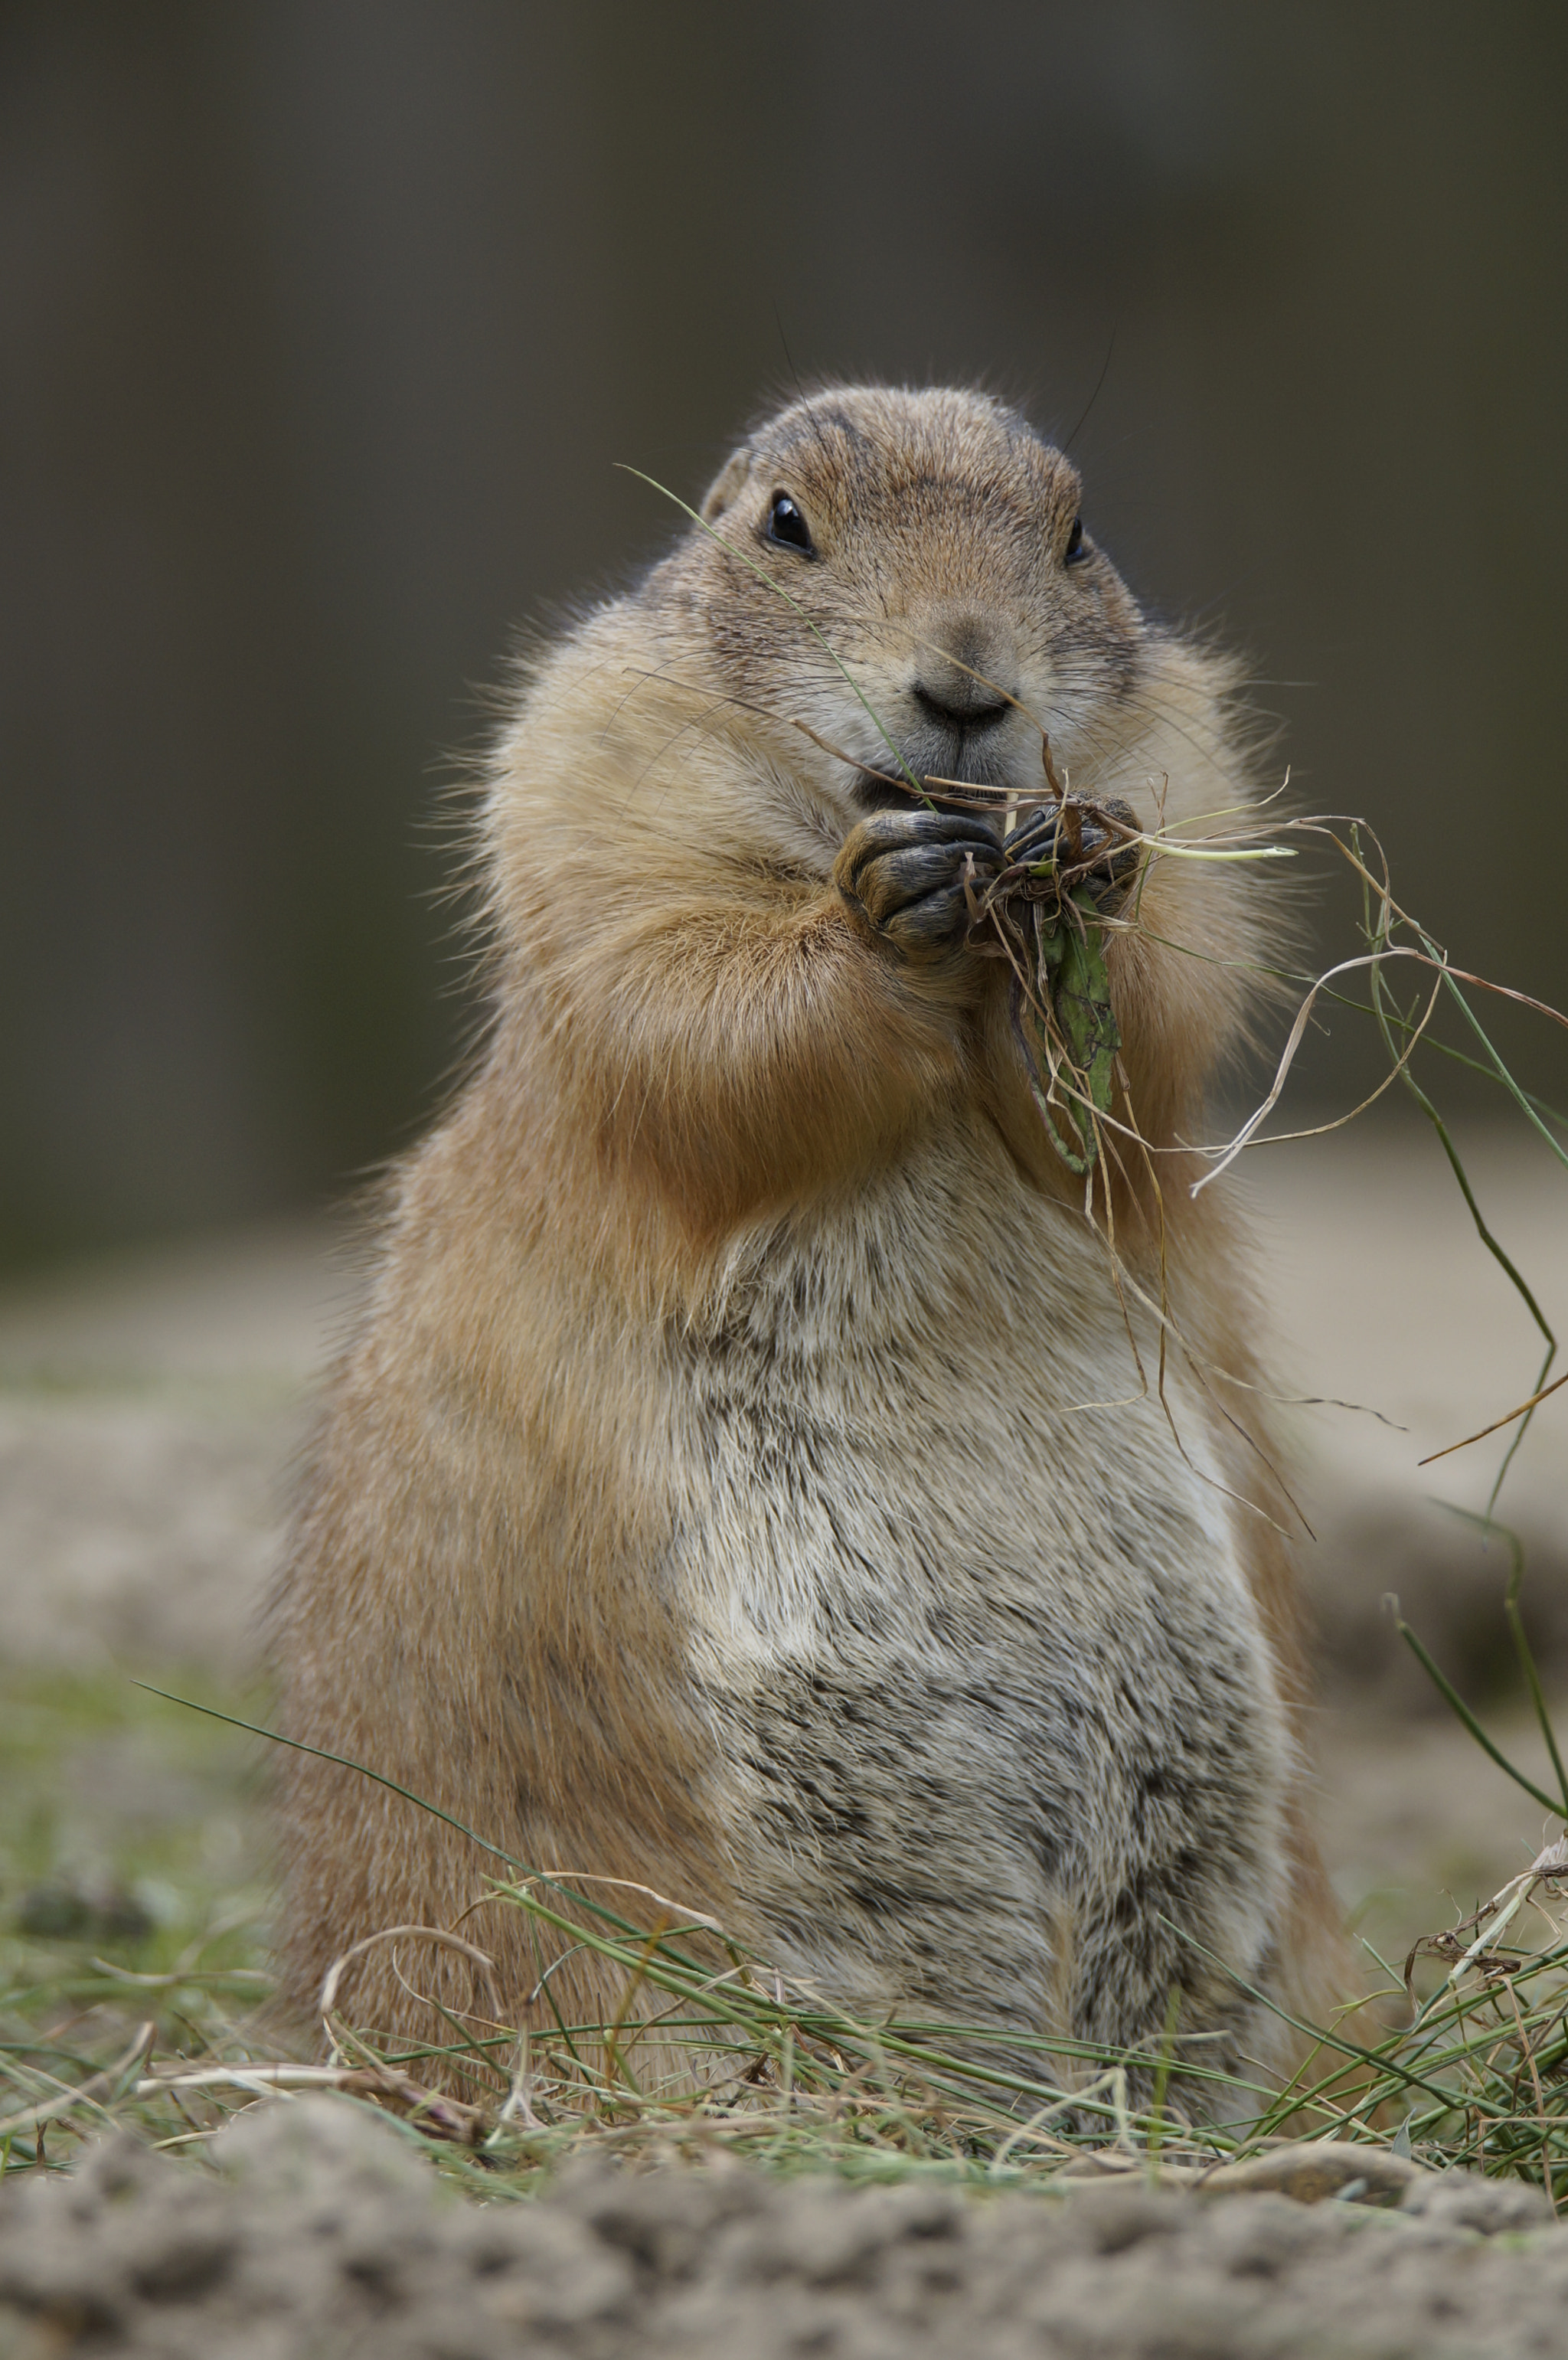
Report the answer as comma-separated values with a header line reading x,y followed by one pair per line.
x,y
903,873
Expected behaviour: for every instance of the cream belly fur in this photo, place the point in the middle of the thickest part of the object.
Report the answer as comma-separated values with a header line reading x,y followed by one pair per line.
x,y
924,1638
740,1483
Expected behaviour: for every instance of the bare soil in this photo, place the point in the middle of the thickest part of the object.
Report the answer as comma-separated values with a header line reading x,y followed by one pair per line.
x,y
319,2233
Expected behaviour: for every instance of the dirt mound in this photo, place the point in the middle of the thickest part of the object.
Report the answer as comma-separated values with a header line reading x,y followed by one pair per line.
x,y
325,2233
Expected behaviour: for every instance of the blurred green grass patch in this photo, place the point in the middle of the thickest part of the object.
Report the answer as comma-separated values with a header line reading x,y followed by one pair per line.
x,y
133,1882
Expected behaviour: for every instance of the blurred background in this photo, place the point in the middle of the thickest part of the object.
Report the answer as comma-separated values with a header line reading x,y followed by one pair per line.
x,y
325,325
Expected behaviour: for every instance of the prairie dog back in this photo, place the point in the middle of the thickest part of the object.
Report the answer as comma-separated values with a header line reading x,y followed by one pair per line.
x,y
742,1483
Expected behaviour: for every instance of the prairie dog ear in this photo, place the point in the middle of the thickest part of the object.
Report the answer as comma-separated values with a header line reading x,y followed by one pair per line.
x,y
728,486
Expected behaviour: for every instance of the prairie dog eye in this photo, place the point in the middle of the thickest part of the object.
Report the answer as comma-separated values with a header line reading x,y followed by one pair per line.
x,y
1074,549
787,526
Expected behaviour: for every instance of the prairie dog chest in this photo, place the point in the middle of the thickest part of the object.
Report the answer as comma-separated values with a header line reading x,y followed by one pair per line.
x,y
931,1400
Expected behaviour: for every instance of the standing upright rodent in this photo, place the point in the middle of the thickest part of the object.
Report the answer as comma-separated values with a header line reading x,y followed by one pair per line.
x,y
742,1483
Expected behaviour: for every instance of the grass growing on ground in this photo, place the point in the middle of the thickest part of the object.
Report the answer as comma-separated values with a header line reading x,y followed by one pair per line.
x,y
154,2019
133,1989
131,1891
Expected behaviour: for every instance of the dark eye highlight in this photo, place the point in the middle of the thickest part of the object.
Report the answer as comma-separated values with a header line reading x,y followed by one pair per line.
x,y
1074,549
787,526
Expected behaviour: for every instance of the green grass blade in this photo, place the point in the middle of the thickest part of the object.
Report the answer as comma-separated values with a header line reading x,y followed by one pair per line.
x,y
1456,1703
1522,1648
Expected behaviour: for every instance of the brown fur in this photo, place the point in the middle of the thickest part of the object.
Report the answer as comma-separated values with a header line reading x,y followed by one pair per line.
x,y
737,1483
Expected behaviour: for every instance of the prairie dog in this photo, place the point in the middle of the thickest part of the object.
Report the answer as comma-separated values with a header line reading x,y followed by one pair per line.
x,y
741,1481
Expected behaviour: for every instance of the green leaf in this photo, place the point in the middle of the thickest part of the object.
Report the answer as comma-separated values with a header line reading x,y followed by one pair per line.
x,y
1073,980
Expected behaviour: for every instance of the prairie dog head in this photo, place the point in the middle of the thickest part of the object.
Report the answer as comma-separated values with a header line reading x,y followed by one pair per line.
x,y
932,545
937,545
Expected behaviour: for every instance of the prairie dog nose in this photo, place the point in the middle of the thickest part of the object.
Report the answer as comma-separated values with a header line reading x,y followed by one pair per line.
x,y
945,683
